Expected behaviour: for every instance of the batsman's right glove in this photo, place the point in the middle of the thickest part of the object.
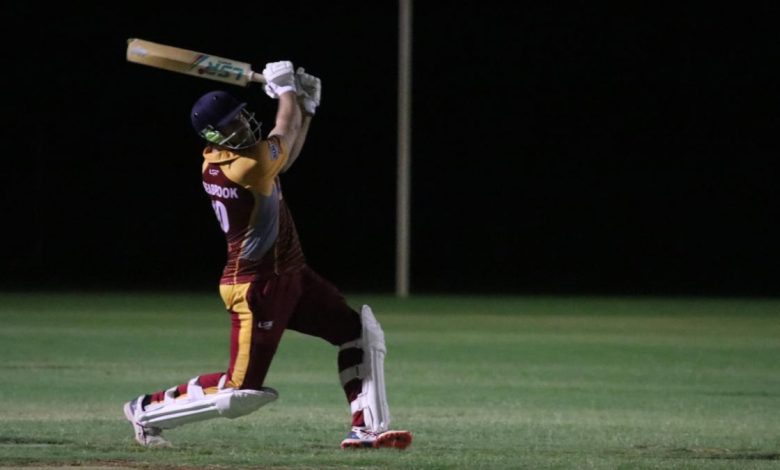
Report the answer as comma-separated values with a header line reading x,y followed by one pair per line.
x,y
280,78
309,90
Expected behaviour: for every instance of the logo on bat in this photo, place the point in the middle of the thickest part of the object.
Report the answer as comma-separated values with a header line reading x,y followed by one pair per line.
x,y
219,68
139,51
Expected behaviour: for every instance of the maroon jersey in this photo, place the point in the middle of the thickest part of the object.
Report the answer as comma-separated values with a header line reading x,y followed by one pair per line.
x,y
247,199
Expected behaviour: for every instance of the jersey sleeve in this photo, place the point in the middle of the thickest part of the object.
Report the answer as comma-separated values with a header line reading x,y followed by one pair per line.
x,y
263,163
271,156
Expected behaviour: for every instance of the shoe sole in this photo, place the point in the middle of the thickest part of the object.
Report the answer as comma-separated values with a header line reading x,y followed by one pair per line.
x,y
387,440
394,439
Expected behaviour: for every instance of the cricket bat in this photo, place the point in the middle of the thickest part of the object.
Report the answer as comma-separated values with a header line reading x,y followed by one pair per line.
x,y
192,63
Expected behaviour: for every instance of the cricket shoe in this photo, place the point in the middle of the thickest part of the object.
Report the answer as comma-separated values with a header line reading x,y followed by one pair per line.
x,y
359,438
146,436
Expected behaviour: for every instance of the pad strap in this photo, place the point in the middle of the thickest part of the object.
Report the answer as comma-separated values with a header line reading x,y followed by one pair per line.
x,y
358,343
352,373
194,390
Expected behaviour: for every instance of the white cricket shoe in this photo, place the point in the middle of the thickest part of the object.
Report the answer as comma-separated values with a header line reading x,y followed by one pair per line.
x,y
359,438
146,436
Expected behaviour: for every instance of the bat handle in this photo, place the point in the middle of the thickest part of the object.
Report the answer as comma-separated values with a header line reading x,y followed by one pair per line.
x,y
256,77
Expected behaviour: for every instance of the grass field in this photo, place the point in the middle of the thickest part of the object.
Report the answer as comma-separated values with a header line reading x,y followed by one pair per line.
x,y
528,382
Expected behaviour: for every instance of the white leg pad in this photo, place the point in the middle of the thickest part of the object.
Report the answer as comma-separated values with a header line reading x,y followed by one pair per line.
x,y
372,400
197,406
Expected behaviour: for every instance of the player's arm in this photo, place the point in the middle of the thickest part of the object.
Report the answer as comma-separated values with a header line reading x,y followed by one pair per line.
x,y
281,85
309,96
288,121
298,144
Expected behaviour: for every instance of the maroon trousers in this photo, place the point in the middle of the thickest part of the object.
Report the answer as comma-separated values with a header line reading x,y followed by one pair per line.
x,y
260,311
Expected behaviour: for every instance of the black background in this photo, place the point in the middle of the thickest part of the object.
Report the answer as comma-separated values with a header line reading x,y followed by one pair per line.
x,y
555,149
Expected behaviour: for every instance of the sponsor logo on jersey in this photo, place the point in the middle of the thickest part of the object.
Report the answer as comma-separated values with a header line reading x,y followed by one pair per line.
x,y
274,150
219,191
213,172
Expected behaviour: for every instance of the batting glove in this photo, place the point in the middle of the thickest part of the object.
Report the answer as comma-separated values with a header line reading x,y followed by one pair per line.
x,y
280,78
309,90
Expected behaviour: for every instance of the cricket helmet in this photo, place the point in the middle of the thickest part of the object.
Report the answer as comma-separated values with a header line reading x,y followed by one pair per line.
x,y
214,113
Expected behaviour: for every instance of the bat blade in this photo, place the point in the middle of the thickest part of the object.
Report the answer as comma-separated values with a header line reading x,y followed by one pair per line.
x,y
192,63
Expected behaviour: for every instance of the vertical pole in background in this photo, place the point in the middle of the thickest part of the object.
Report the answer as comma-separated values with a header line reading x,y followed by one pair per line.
x,y
404,147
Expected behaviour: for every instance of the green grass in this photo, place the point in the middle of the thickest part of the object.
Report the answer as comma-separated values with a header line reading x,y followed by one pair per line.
x,y
482,382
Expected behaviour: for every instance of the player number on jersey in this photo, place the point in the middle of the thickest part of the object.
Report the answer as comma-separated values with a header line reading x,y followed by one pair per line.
x,y
222,216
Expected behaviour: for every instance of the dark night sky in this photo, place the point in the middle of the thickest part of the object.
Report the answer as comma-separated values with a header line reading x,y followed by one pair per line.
x,y
564,150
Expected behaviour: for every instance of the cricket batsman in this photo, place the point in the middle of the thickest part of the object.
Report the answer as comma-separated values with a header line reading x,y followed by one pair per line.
x,y
266,285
